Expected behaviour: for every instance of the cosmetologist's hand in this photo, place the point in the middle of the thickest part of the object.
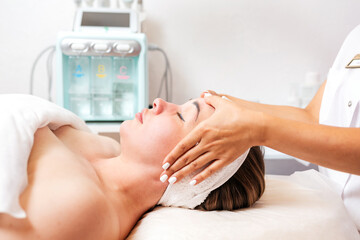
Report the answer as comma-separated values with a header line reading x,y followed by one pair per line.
x,y
219,140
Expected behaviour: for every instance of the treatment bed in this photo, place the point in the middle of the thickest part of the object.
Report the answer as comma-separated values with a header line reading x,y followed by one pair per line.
x,y
301,206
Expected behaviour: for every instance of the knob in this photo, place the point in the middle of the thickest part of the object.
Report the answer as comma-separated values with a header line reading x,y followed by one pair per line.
x,y
121,47
78,46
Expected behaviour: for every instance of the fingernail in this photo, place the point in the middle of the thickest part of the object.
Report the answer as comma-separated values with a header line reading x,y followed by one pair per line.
x,y
207,94
166,166
192,182
172,180
163,178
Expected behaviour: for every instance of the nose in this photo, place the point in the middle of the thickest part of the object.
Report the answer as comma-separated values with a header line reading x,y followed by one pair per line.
x,y
158,105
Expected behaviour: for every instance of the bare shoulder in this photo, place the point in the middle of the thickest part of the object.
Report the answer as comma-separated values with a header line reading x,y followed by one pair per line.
x,y
63,200
76,210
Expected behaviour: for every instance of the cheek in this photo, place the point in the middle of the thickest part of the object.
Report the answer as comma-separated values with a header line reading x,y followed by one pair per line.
x,y
155,138
162,136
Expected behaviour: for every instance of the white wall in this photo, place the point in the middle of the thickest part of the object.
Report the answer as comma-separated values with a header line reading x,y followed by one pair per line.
x,y
251,49
26,28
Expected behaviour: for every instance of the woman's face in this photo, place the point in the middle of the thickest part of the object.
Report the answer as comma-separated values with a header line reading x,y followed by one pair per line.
x,y
152,134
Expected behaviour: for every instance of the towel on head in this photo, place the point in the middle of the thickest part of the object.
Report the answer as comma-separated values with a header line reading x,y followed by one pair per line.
x,y
182,194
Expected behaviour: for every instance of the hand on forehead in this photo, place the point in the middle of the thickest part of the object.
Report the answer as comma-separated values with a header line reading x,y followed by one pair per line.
x,y
196,110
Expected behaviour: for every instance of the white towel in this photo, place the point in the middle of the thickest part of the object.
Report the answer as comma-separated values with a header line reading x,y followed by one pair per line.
x,y
20,117
182,194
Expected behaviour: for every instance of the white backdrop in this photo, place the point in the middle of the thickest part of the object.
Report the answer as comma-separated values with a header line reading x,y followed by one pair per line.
x,y
251,49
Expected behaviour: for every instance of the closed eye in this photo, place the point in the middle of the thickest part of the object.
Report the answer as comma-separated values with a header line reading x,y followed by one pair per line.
x,y
180,116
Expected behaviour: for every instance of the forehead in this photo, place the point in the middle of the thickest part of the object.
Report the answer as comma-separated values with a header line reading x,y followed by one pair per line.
x,y
192,107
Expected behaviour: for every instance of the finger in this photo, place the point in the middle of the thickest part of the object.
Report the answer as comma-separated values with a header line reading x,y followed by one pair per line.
x,y
208,171
211,92
231,98
183,146
214,101
226,98
186,159
202,95
198,163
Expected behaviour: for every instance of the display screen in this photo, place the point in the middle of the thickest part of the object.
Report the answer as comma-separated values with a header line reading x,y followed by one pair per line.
x,y
100,19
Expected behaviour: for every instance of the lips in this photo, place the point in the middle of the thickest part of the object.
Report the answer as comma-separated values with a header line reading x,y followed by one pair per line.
x,y
140,116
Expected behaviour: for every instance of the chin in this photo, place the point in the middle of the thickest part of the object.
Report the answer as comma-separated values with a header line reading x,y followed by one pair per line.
x,y
130,131
125,128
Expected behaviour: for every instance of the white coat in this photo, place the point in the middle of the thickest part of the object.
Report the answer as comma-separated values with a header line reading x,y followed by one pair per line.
x,y
340,107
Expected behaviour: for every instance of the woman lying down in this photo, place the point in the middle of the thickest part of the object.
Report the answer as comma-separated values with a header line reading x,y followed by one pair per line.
x,y
85,186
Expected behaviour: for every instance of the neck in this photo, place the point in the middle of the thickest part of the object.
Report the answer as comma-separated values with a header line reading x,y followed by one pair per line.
x,y
132,187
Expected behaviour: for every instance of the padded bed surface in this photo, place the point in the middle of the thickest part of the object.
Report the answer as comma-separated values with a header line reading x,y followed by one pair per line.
x,y
301,206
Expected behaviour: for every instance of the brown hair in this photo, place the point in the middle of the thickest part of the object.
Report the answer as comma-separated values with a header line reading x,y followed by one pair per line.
x,y
243,189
